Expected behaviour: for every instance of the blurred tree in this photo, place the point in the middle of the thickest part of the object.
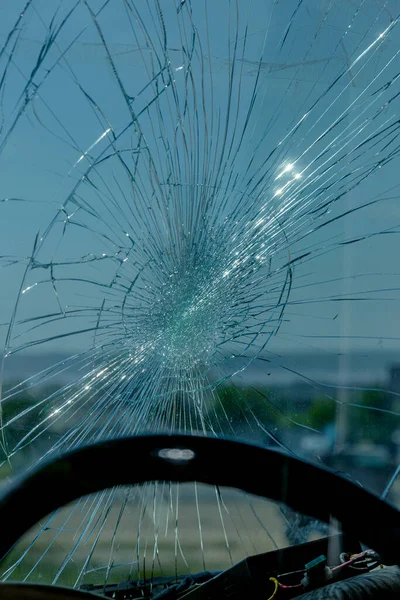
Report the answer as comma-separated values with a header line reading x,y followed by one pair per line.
x,y
321,413
240,405
20,414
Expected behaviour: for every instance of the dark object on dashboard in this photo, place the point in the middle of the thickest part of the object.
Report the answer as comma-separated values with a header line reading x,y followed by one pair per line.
x,y
249,577
213,461
382,584
183,458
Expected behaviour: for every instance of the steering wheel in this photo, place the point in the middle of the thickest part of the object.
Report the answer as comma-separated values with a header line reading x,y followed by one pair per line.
x,y
309,489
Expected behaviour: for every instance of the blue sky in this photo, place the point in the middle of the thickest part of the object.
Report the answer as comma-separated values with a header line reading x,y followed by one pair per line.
x,y
303,49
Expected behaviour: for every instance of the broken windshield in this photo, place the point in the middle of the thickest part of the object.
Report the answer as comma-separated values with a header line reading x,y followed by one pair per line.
x,y
198,229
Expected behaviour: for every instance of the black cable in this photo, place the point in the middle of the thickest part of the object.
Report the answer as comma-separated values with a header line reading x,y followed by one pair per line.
x,y
378,585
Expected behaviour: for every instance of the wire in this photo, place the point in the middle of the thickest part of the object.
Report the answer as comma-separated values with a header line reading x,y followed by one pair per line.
x,y
290,587
291,573
355,558
276,583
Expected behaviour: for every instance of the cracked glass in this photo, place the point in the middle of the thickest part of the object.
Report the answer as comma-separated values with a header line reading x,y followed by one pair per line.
x,y
198,233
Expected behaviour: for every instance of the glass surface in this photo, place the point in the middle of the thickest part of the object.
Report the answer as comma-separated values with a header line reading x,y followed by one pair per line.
x,y
154,530
199,228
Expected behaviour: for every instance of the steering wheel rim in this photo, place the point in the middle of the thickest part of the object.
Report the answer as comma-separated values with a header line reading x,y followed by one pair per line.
x,y
307,488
